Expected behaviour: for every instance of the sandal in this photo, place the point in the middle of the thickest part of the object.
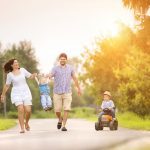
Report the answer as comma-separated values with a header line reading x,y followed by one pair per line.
x,y
59,124
22,131
27,127
64,129
49,108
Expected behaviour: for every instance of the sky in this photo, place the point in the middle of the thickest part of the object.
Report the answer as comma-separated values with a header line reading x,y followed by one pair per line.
x,y
55,26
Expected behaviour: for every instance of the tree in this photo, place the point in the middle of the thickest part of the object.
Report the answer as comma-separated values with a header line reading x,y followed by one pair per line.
x,y
138,6
134,86
100,63
143,36
25,54
120,64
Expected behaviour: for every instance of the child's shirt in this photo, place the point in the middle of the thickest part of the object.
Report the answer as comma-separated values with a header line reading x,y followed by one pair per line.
x,y
107,104
44,89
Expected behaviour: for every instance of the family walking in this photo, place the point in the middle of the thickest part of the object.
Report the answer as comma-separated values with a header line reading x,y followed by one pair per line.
x,y
22,98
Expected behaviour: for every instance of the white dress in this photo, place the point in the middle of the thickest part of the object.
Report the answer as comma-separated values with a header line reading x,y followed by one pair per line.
x,y
20,91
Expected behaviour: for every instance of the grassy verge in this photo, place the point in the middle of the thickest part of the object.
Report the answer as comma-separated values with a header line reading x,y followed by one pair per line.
x,y
131,120
7,123
127,120
78,112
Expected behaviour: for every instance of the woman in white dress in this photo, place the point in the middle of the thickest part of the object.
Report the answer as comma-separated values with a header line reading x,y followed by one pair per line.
x,y
20,93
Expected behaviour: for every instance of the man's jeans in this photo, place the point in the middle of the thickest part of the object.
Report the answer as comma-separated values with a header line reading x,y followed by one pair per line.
x,y
46,101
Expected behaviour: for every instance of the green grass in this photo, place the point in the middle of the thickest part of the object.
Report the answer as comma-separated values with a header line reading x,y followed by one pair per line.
x,y
130,120
133,121
82,112
78,112
7,123
43,114
127,120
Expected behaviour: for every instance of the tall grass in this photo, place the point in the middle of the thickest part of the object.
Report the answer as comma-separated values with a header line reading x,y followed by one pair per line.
x,y
7,123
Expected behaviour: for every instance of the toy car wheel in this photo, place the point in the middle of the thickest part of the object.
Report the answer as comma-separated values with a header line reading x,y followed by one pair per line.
x,y
100,127
97,127
116,125
111,125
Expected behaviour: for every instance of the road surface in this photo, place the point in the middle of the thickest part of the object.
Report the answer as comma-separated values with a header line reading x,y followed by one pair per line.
x,y
81,135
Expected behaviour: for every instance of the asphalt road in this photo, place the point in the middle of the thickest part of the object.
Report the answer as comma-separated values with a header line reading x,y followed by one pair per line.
x,y
81,135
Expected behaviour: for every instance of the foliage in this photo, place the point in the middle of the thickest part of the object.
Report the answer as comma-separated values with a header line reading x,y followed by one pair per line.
x,y
100,63
25,54
135,83
133,121
7,123
120,64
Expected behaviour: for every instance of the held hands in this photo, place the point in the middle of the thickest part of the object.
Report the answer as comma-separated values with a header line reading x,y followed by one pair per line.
x,y
2,98
79,91
34,75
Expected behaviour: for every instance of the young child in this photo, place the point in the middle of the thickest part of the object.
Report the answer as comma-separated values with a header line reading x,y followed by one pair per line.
x,y
46,101
107,104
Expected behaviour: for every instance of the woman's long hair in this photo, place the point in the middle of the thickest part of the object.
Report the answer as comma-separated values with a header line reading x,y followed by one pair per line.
x,y
8,66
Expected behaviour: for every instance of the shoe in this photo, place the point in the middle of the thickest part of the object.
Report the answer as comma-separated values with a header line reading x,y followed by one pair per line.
x,y
63,129
22,131
59,124
46,109
27,127
49,108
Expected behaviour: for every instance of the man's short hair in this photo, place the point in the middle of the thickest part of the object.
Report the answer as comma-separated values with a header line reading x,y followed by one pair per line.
x,y
63,55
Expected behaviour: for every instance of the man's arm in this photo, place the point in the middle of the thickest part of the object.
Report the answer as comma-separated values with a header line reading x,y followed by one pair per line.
x,y
76,84
49,75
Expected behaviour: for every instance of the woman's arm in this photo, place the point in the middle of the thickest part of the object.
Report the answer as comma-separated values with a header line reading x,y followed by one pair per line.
x,y
36,79
32,76
28,74
6,87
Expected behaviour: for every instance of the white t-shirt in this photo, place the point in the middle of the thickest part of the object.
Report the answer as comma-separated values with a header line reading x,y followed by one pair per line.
x,y
20,90
107,104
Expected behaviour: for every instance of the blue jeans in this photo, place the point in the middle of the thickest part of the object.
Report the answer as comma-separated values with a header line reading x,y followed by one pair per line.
x,y
46,101
112,113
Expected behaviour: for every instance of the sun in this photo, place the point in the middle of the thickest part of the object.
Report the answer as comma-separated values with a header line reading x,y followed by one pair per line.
x,y
109,29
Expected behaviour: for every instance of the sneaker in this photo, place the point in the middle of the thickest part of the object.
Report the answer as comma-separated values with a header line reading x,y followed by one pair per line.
x,y
63,129
22,131
46,109
49,108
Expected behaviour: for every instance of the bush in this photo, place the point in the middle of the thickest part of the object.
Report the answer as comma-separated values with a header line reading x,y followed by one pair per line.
x,y
82,112
12,115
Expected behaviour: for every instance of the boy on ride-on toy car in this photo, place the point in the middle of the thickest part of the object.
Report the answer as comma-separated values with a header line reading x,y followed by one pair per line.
x,y
107,105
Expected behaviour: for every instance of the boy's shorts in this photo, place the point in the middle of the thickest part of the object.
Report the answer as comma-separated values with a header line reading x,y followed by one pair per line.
x,y
62,101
